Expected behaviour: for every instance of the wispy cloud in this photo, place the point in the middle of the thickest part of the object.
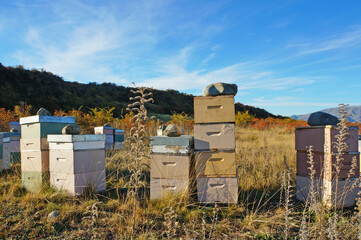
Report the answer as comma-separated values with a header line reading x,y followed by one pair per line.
x,y
344,40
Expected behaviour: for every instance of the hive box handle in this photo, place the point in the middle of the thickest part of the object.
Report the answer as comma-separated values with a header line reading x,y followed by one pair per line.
x,y
169,163
169,187
216,159
215,107
214,134
216,185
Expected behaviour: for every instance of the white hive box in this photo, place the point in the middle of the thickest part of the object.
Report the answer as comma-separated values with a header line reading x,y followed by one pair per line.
x,y
76,162
76,184
217,190
15,125
109,133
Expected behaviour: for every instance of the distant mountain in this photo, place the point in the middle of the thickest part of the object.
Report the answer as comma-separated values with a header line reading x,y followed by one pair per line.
x,y
355,112
45,89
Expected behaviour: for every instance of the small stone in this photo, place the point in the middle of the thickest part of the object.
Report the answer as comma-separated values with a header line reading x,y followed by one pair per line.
x,y
53,215
43,112
71,129
63,115
107,125
322,119
172,131
13,130
216,89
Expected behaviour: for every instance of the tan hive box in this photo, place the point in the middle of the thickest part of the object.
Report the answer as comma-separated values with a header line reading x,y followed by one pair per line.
x,y
5,161
216,163
214,136
161,187
219,109
320,136
217,190
170,166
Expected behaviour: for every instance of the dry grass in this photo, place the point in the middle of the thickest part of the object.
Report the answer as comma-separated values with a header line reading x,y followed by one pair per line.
x,y
260,213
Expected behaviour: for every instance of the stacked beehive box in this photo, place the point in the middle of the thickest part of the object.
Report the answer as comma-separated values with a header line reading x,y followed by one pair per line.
x,y
15,147
16,126
171,165
118,139
77,162
35,148
327,188
108,131
214,143
5,150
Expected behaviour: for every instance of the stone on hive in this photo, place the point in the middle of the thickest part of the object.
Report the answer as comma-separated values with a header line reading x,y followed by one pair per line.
x,y
71,129
220,88
322,119
107,125
43,112
172,131
14,130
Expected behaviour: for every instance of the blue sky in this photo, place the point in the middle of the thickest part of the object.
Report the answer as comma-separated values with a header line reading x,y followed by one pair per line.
x,y
288,57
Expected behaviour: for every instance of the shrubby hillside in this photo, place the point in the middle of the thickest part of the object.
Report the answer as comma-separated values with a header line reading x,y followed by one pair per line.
x,y
40,88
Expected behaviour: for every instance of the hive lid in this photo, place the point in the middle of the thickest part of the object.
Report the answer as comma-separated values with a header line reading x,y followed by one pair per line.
x,y
46,119
14,123
326,126
118,131
76,138
5,135
184,140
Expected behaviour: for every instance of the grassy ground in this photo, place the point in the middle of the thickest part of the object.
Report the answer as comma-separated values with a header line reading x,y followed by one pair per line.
x,y
261,212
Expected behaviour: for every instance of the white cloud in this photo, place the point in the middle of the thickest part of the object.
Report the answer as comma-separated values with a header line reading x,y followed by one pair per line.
x,y
345,40
287,101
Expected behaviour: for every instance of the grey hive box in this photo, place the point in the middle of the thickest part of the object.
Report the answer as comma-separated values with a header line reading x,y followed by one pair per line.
x,y
217,190
15,125
76,162
34,181
15,147
214,136
5,152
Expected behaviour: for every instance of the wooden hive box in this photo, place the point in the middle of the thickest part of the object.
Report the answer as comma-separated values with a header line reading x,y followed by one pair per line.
x,y
34,181
217,189
118,135
76,184
15,125
320,137
216,164
214,136
160,187
218,109
76,153
40,126
5,162
170,166
172,145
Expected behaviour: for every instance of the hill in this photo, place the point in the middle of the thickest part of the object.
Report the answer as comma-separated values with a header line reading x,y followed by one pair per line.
x,y
355,112
45,89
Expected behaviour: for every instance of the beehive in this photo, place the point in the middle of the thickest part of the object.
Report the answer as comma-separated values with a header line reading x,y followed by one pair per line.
x,y
108,131
35,148
326,180
172,167
77,162
214,143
